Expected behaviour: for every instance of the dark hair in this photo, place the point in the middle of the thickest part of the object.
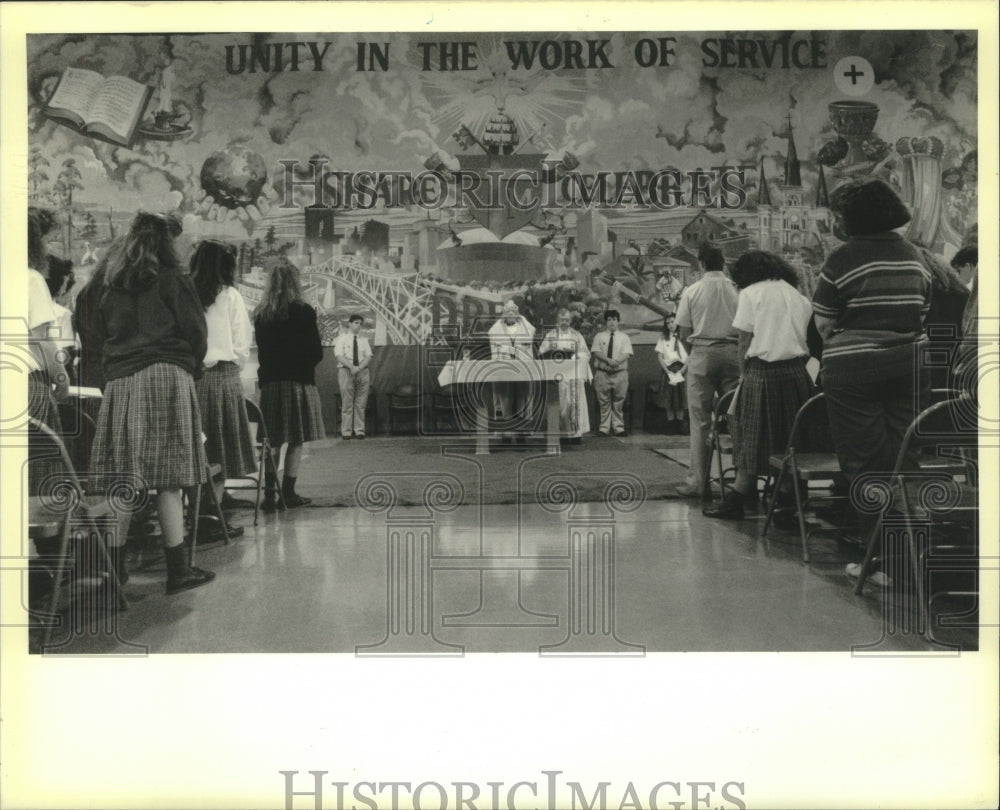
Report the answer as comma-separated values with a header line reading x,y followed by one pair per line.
x,y
759,265
59,271
213,266
670,316
612,313
40,222
356,317
711,257
967,255
146,251
868,206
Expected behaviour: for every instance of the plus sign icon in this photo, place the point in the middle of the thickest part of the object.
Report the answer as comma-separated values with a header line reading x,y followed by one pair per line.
x,y
854,75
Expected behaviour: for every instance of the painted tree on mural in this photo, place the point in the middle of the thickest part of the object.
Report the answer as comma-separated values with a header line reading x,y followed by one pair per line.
x,y
37,163
89,230
67,182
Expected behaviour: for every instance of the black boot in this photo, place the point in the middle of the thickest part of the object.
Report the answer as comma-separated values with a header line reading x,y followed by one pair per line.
x,y
288,493
731,507
180,575
270,502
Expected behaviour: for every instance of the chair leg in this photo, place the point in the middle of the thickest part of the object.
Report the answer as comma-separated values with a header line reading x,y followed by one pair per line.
x,y
109,564
800,506
218,508
57,583
722,473
706,476
917,557
277,480
194,508
772,505
866,564
260,483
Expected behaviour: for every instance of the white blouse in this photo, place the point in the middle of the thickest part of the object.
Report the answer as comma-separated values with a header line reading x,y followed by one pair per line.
x,y
229,329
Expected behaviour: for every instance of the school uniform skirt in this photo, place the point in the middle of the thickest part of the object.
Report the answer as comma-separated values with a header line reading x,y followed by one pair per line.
x,y
149,431
292,412
224,420
768,398
672,396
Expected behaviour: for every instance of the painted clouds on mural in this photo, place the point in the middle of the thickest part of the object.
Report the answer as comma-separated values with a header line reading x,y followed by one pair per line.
x,y
686,115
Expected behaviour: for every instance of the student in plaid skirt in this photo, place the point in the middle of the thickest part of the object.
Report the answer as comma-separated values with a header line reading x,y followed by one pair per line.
x,y
288,349
220,390
772,319
152,329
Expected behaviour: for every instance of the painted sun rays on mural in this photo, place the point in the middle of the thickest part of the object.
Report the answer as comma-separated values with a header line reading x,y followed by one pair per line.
x,y
535,99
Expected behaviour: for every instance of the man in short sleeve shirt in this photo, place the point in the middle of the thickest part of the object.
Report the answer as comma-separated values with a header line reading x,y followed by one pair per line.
x,y
705,323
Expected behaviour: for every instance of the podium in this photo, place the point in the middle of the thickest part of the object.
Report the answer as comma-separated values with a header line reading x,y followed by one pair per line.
x,y
475,379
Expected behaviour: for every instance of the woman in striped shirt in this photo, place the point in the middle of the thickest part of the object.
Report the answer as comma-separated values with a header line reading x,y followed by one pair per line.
x,y
870,305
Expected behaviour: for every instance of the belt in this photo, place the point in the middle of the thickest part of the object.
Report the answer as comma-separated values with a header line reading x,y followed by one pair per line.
x,y
612,370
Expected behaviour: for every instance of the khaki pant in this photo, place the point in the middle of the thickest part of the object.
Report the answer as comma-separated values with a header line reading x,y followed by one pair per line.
x,y
354,395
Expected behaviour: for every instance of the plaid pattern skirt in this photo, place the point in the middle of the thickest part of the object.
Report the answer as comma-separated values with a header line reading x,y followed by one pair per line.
x,y
149,431
224,420
292,412
768,399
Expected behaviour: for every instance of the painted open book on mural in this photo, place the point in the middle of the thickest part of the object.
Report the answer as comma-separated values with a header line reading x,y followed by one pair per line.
x,y
109,109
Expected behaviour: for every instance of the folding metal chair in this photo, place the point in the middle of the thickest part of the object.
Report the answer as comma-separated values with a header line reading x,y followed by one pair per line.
x,y
51,515
804,467
719,441
949,429
265,460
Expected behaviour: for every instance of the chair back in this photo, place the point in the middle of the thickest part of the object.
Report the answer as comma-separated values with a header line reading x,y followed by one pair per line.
x,y
59,487
947,429
810,431
405,396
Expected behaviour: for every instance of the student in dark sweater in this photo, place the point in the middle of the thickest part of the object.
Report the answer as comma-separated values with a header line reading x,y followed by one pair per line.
x,y
150,326
288,351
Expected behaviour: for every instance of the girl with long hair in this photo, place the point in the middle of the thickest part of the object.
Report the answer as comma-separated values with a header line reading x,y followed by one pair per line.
x,y
220,390
288,349
152,331
672,357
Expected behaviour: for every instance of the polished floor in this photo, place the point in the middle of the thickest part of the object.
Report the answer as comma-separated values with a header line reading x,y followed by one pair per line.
x,y
556,579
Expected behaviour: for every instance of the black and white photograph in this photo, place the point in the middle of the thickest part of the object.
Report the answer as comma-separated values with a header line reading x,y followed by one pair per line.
x,y
404,403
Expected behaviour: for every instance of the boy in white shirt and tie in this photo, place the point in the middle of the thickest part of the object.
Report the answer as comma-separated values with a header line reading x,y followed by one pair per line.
x,y
611,350
354,355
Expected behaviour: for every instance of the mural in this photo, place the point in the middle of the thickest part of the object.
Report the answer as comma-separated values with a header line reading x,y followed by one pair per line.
x,y
422,180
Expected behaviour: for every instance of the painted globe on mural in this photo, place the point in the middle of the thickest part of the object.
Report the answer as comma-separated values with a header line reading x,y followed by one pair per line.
x,y
234,176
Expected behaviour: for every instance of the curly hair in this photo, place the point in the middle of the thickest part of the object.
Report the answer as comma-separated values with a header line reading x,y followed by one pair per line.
x,y
40,222
282,289
213,266
59,271
759,265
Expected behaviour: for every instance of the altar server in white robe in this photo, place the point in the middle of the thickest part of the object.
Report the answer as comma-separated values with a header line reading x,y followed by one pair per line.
x,y
566,342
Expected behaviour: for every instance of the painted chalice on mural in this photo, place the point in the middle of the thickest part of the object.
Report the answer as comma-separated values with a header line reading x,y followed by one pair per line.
x,y
233,183
854,121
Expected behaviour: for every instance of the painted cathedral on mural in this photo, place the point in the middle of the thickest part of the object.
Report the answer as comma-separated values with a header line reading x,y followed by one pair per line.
x,y
786,221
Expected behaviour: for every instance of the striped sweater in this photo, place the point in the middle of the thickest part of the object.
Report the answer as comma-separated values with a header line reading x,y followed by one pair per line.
x,y
877,290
